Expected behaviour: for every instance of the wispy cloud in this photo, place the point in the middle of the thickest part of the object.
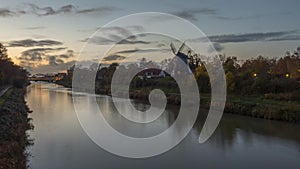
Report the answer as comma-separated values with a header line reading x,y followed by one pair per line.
x,y
250,37
33,43
191,14
114,58
116,35
35,28
98,9
219,40
142,50
30,8
6,13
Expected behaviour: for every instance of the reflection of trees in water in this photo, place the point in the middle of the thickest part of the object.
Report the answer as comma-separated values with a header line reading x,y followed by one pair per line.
x,y
234,128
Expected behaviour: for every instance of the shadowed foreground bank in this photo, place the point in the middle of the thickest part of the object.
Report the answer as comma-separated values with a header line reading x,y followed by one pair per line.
x,y
14,123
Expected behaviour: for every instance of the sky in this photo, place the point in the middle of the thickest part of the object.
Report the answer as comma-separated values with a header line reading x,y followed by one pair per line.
x,y
47,36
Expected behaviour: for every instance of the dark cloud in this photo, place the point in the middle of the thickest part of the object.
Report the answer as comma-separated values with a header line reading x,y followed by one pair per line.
x,y
120,31
221,17
33,43
115,35
37,54
113,58
125,41
33,59
41,11
69,54
250,37
54,60
142,51
97,10
31,8
191,14
286,38
194,13
6,13
66,9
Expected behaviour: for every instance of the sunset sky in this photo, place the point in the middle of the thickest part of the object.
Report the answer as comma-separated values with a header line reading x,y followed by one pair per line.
x,y
46,36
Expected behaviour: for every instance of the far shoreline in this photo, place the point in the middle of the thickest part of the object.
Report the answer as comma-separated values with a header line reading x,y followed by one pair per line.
x,y
253,106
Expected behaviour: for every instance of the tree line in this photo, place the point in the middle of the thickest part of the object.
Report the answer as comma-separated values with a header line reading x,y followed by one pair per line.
x,y
254,76
10,73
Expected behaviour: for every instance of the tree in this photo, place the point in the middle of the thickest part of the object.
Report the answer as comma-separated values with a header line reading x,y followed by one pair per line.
x,y
11,74
3,52
202,78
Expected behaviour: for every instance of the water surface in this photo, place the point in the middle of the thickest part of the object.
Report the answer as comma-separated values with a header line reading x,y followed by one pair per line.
x,y
239,142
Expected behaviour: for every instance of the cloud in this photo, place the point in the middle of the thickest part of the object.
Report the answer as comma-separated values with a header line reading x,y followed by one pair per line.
x,y
116,35
69,9
35,28
125,41
37,54
41,11
104,9
6,13
194,13
115,30
113,58
218,47
30,8
142,51
54,60
138,28
221,17
191,14
287,38
250,37
33,43
69,54
45,57
51,68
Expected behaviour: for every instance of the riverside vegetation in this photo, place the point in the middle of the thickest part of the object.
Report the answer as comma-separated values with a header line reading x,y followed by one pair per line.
x,y
258,87
14,121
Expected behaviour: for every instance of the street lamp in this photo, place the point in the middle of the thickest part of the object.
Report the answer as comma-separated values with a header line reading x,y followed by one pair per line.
x,y
287,75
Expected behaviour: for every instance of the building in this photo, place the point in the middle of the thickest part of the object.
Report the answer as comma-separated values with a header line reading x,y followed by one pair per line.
x,y
59,76
152,73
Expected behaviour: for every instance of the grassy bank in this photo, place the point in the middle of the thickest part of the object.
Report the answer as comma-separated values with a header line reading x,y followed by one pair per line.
x,y
262,107
14,123
258,106
254,106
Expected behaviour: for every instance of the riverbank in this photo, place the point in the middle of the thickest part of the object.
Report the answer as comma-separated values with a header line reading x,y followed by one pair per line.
x,y
14,123
253,106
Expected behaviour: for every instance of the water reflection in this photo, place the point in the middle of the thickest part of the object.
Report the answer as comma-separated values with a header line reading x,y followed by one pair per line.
x,y
239,142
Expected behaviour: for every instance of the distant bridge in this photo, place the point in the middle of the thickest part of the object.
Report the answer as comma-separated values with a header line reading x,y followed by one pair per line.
x,y
44,79
47,78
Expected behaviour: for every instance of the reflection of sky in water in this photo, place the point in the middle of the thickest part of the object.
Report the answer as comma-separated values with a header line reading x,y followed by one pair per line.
x,y
239,142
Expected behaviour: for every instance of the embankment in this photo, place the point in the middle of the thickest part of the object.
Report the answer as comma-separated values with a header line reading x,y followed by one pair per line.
x,y
253,106
14,123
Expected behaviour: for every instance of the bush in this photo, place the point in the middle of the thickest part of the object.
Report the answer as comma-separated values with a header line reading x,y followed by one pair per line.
x,y
19,83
